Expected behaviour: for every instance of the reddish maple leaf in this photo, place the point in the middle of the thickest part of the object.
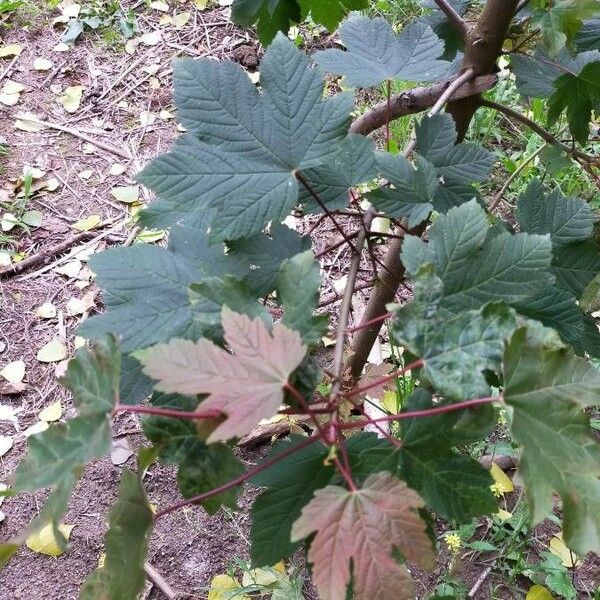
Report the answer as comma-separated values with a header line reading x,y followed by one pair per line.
x,y
246,386
364,526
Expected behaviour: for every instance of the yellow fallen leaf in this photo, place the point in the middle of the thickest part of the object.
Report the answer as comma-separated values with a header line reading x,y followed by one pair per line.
x,y
159,5
78,306
11,92
44,541
79,342
53,351
51,413
559,548
262,576
6,443
71,99
61,47
201,4
36,428
10,50
28,122
152,38
46,311
85,175
538,592
14,371
127,194
502,482
221,587
88,223
42,64
181,20
165,20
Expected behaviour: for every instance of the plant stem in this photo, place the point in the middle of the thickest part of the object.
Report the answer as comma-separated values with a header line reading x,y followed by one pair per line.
x,y
451,89
338,356
364,324
241,479
417,414
543,133
167,412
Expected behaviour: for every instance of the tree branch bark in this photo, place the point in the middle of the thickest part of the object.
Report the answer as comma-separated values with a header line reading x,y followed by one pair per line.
x,y
417,100
483,46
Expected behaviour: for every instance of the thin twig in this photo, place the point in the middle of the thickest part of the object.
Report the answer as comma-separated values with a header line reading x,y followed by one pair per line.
x,y
241,479
167,412
500,195
338,356
543,133
453,17
418,414
159,581
82,136
451,89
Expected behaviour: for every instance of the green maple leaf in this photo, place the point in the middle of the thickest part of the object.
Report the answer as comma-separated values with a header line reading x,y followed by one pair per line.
x,y
547,387
375,53
454,485
588,37
271,16
201,467
290,485
412,191
300,301
244,148
570,223
578,94
441,178
476,267
456,350
561,20
126,544
146,288
362,527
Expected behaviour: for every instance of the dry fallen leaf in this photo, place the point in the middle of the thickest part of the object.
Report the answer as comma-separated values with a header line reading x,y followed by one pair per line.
x,y
11,389
88,223
8,413
71,98
127,194
181,20
14,371
70,269
78,306
44,542
120,451
11,92
46,311
61,47
85,175
36,428
51,413
152,38
117,169
28,122
6,443
10,50
53,351
42,64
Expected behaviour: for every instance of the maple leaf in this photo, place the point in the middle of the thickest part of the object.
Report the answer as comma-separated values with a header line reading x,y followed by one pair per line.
x,y
364,527
246,386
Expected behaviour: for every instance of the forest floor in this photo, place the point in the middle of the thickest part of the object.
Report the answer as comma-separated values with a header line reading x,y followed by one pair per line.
x,y
76,124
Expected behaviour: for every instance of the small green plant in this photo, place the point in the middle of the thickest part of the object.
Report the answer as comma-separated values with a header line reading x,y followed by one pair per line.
x,y
10,6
